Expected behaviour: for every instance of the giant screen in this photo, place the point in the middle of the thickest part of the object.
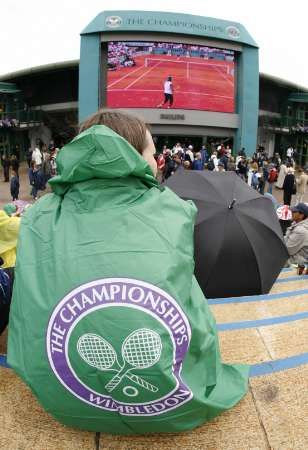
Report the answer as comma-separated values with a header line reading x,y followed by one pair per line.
x,y
170,75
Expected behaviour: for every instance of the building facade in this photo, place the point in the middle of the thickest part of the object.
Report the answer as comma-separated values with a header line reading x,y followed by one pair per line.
x,y
44,103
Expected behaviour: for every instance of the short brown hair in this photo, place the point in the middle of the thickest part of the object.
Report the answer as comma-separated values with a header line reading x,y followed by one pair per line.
x,y
129,127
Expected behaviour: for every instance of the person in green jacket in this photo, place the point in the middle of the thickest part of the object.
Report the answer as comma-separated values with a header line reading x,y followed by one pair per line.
x,y
108,325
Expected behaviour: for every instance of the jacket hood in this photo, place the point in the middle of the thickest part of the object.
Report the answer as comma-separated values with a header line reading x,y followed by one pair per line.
x,y
99,152
9,228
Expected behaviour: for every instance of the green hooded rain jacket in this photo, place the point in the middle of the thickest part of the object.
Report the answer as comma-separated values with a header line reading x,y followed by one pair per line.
x,y
108,325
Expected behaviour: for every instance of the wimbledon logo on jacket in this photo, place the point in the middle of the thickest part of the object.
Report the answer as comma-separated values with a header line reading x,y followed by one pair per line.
x,y
118,344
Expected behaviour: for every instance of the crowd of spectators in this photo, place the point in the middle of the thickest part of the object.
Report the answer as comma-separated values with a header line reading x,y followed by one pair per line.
x,y
260,171
42,166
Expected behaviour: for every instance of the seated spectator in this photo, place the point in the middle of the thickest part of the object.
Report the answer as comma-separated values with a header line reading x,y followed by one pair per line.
x,y
297,237
108,210
9,229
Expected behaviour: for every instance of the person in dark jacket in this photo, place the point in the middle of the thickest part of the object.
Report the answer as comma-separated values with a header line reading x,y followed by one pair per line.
x,y
288,186
197,163
14,185
5,160
242,169
169,166
15,164
224,160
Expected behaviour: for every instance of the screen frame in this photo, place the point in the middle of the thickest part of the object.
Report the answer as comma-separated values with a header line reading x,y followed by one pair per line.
x,y
161,38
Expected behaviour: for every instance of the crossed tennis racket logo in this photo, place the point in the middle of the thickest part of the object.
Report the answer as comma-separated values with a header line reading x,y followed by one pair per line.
x,y
141,349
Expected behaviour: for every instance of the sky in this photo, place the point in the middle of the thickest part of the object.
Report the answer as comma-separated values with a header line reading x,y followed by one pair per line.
x,y
34,32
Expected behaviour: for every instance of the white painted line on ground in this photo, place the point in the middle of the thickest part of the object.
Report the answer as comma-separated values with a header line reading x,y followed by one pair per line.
x,y
141,76
125,76
160,90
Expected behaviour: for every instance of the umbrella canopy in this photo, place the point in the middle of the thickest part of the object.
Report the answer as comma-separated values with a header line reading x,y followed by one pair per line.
x,y
239,247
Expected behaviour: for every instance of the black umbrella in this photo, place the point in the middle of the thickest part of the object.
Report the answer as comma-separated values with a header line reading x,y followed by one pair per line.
x,y
239,247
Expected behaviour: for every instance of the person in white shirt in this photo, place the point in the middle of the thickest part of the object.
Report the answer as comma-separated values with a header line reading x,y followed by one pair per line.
x,y
168,93
37,157
190,154
177,148
290,152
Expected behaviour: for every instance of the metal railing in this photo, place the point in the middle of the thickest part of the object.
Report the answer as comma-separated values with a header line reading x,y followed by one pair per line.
x,y
283,122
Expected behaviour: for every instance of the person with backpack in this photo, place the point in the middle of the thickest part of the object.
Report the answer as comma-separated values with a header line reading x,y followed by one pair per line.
x,y
272,178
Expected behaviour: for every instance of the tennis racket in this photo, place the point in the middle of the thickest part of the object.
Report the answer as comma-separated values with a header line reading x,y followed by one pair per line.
x,y
140,350
98,353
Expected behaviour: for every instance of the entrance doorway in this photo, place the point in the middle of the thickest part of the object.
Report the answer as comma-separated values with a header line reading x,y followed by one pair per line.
x,y
211,142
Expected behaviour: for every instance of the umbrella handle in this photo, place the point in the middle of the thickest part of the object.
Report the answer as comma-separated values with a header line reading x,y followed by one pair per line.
x,y
232,203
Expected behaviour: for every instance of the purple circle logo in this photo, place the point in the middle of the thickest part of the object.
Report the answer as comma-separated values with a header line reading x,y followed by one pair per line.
x,y
138,368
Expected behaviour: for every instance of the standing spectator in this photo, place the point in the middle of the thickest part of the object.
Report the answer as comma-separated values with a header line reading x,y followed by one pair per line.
x,y
15,164
33,179
169,166
213,162
237,160
204,155
197,164
289,187
272,178
5,160
53,162
224,160
29,156
290,152
252,169
46,167
242,168
301,184
255,180
189,155
177,148
261,181
282,174
14,185
265,171
160,167
16,152
37,157
276,160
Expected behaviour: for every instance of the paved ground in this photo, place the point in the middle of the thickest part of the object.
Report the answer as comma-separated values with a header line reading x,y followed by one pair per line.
x,y
269,332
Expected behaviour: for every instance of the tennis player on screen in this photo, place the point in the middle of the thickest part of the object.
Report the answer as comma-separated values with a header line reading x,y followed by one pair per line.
x,y
168,93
